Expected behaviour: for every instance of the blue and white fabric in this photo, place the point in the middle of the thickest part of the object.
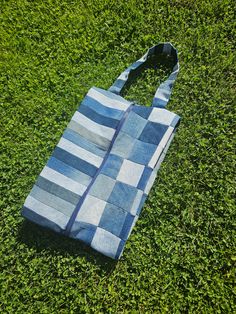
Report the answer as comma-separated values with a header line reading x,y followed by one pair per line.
x,y
95,184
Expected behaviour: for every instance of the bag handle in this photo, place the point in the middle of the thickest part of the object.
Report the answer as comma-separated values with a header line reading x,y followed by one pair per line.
x,y
163,93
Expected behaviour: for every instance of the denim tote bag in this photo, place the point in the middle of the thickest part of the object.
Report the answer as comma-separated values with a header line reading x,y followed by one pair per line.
x,y
94,185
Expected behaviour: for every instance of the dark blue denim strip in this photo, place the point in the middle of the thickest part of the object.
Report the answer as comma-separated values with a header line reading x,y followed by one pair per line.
x,y
74,161
97,117
78,206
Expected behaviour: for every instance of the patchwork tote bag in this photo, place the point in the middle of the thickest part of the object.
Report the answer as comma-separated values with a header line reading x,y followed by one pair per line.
x,y
94,185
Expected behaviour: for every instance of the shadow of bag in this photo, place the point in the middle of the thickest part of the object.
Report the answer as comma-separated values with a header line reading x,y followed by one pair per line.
x,y
94,185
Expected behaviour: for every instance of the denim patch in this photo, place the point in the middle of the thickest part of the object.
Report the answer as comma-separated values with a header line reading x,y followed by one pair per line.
x,y
153,133
32,215
122,145
100,108
83,232
102,187
142,152
105,242
143,112
120,249
141,204
52,200
126,226
144,178
98,118
161,115
130,172
123,195
57,190
112,166
136,202
112,219
74,162
68,171
75,138
134,125
91,210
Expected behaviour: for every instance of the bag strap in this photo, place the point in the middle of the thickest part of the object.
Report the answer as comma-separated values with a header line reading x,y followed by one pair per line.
x,y
163,93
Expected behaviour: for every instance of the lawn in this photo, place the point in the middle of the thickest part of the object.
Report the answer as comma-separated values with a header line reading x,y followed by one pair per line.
x,y
180,257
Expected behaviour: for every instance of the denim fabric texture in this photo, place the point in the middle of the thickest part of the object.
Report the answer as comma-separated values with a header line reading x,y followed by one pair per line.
x,y
95,184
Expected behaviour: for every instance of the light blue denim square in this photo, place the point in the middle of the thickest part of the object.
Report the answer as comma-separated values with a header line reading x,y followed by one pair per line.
x,y
102,187
105,242
123,145
142,152
123,195
134,125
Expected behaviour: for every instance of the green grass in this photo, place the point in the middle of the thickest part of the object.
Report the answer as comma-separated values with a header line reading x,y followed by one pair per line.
x,y
181,255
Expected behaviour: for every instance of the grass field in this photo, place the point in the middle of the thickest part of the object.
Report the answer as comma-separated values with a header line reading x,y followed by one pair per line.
x,y
181,255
